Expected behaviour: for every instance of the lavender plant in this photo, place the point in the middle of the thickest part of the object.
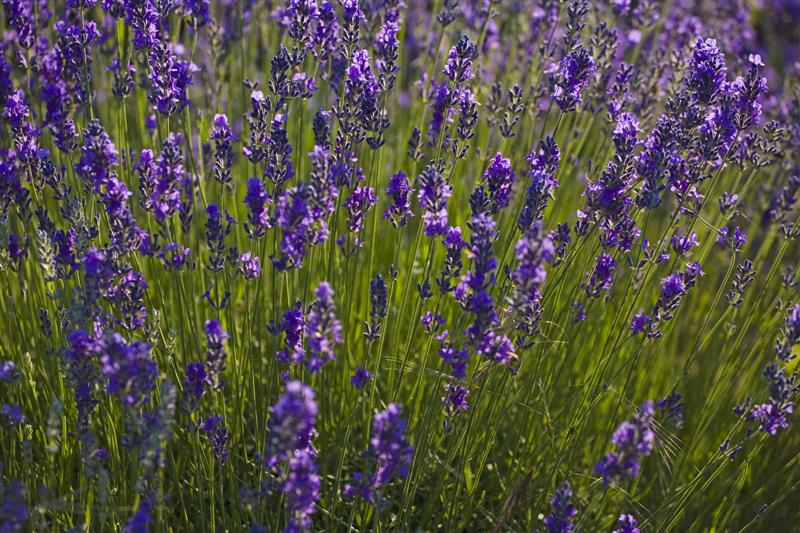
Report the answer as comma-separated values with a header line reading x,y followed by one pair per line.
x,y
355,265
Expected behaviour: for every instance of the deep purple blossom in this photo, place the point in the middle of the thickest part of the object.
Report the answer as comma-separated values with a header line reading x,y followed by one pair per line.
x,y
170,79
455,399
441,100
278,165
215,354
21,19
360,201
783,387
195,381
216,232
432,322
258,119
145,20
174,256
218,433
639,322
293,216
734,240
99,157
123,229
750,90
560,519
399,210
11,415
673,289
301,485
326,31
16,110
570,76
323,330
455,357
360,378
386,50
292,325
601,277
322,193
682,244
141,519
626,128
291,423
672,286
707,71
198,11
249,265
500,178
169,177
129,369
433,194
459,61
388,446
474,293
454,245
9,372
544,163
389,454
13,509
627,523
633,440
223,152
257,201
532,250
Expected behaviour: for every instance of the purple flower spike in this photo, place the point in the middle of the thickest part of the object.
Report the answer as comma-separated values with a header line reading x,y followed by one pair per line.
x,y
500,178
215,356
570,76
633,440
560,519
627,523
360,378
291,423
323,330
389,454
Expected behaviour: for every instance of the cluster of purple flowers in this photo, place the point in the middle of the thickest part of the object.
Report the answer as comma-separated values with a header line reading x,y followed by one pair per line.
x,y
560,519
434,192
399,210
532,251
389,455
13,509
570,77
129,369
290,430
673,289
771,416
105,215
215,355
474,293
627,523
544,164
633,440
323,331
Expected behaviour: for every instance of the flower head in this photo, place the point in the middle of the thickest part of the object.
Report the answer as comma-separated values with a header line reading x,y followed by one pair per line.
x,y
560,519
291,423
633,440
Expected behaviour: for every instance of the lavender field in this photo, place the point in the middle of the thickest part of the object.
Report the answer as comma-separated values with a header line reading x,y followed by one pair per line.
x,y
386,265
